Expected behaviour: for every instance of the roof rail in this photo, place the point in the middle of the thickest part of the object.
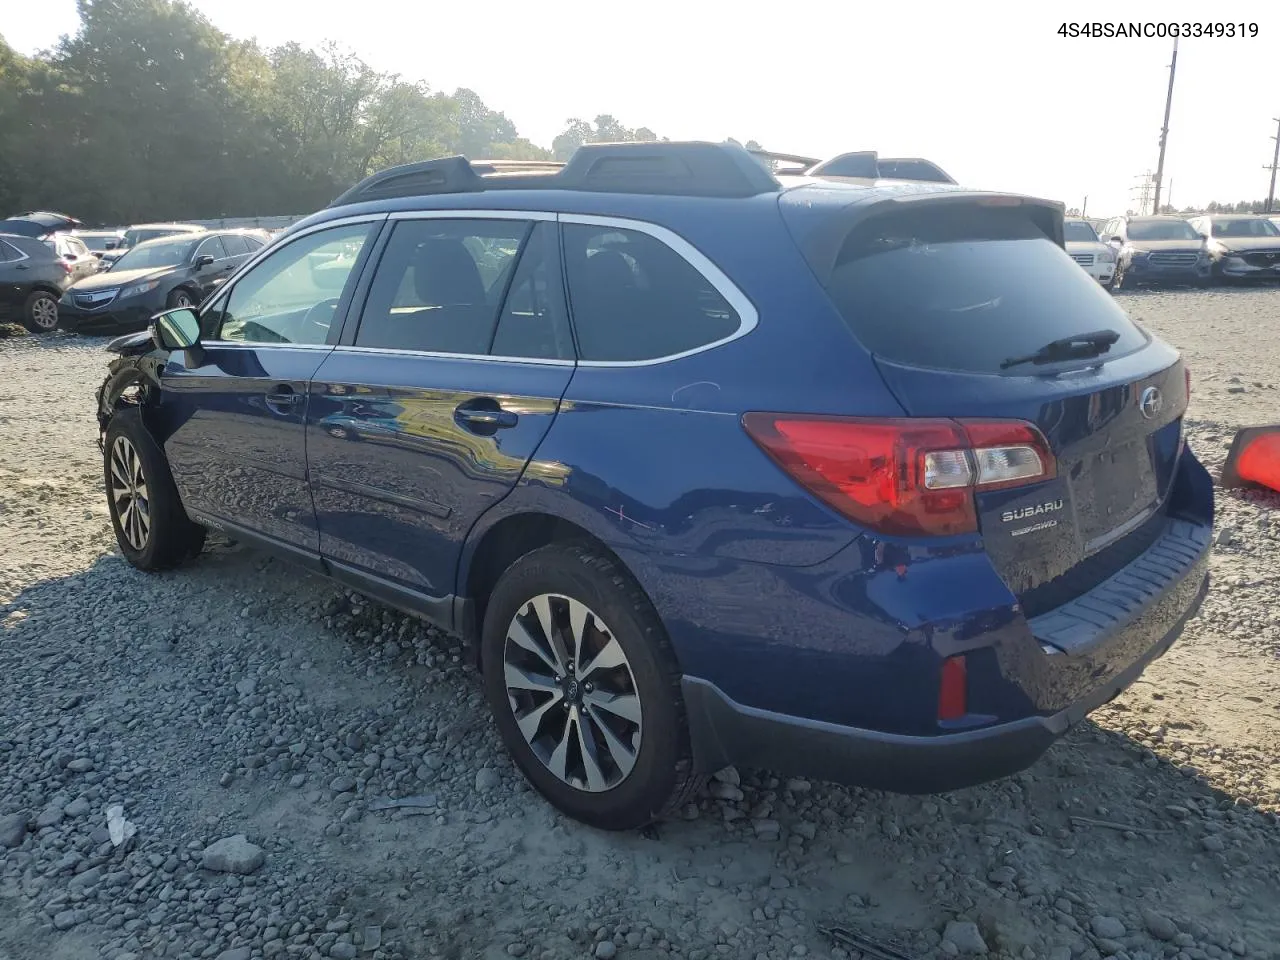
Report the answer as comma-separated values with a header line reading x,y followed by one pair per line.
x,y
688,168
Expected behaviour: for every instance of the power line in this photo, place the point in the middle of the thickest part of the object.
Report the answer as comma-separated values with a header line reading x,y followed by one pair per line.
x,y
1143,189
1275,162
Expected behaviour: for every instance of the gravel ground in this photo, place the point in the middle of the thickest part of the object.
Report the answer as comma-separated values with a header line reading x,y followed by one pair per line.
x,y
248,719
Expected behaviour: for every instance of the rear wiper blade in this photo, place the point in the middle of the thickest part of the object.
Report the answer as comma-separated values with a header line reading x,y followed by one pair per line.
x,y
1068,348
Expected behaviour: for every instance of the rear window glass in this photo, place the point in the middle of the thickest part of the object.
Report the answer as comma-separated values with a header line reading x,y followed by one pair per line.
x,y
964,289
635,298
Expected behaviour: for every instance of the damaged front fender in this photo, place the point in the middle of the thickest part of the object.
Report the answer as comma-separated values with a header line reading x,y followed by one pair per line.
x,y
132,377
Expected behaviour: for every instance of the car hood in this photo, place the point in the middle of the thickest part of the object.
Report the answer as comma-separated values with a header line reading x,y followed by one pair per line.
x,y
1248,243
1086,246
1169,246
119,278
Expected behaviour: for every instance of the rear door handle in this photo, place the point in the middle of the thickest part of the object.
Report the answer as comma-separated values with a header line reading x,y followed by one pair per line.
x,y
488,418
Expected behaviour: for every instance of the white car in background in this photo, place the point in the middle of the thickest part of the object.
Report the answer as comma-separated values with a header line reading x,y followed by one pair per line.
x,y
1084,247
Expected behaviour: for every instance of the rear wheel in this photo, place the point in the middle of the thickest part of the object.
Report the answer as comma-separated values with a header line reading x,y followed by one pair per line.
x,y
585,689
152,529
41,315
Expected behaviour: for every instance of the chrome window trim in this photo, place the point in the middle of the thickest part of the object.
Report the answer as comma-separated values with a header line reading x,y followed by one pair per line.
x,y
255,345
481,214
22,254
748,317
433,355
262,253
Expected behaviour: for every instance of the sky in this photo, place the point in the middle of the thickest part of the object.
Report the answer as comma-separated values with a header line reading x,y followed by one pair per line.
x,y
989,91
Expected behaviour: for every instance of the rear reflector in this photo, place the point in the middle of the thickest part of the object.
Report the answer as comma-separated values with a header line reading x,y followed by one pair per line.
x,y
1254,458
953,694
905,476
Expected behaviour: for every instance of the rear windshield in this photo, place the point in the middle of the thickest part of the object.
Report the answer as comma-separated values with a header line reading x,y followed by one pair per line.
x,y
1161,230
964,288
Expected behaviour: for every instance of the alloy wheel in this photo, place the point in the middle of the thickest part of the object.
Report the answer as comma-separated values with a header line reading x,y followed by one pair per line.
x,y
180,299
572,692
129,496
44,313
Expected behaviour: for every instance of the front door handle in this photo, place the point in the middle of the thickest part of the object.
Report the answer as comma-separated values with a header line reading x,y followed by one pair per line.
x,y
283,399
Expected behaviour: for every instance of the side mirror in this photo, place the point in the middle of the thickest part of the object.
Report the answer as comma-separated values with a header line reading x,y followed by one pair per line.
x,y
175,329
203,261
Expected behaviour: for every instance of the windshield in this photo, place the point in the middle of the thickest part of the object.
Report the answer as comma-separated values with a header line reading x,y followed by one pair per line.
x,y
1245,228
135,237
1077,231
1161,230
100,243
158,254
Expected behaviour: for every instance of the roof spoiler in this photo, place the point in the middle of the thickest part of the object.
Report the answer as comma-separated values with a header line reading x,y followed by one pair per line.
x,y
689,168
823,245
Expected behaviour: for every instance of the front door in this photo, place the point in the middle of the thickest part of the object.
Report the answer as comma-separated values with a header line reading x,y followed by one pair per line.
x,y
235,409
437,398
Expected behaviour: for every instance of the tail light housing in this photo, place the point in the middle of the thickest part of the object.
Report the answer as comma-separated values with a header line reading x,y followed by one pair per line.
x,y
905,476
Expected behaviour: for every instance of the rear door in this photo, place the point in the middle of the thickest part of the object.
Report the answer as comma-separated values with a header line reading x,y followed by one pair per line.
x,y
947,298
235,409
429,410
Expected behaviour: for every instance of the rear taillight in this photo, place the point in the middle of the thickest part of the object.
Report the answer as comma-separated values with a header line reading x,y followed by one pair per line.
x,y
66,267
906,476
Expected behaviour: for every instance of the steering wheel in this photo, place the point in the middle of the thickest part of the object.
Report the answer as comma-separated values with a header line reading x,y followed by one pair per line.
x,y
325,307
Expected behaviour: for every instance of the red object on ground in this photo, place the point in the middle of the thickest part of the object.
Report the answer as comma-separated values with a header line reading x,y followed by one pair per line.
x,y
1254,459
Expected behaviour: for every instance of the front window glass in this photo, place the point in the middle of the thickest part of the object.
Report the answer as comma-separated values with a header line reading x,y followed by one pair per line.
x,y
292,296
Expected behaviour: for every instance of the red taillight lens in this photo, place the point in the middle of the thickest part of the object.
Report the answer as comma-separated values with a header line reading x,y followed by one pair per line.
x,y
904,476
953,694
66,267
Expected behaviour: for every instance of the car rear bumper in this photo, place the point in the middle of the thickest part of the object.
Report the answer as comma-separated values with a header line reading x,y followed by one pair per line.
x,y
725,732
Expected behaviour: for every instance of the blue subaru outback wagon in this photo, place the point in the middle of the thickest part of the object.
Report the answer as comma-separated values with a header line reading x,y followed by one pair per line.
x,y
711,466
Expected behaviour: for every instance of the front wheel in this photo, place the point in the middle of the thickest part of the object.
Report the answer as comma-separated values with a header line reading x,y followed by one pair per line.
x,y
152,529
180,298
1120,281
585,690
41,314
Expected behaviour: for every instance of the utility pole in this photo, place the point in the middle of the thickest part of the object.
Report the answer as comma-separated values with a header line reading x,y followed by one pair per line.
x,y
1275,162
1164,131
1084,209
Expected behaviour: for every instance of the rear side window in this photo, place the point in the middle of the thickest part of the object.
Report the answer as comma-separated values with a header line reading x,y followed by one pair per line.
x,y
440,285
965,288
9,252
635,298
234,244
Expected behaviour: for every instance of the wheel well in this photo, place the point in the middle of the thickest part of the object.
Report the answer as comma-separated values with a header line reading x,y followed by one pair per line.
x,y
505,543
46,288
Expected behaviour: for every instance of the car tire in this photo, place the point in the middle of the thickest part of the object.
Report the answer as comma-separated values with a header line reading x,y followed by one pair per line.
x,y
619,767
151,526
1120,281
41,312
180,298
